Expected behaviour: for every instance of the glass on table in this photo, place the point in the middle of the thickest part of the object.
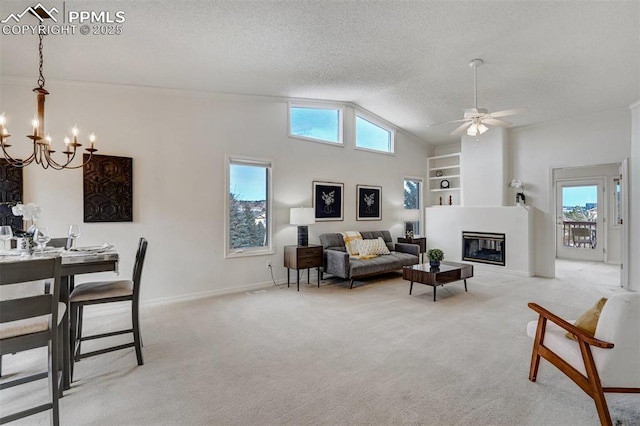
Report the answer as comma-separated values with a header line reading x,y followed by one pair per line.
x,y
41,237
6,233
74,233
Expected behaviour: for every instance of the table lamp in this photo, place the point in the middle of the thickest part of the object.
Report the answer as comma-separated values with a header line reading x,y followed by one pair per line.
x,y
409,216
302,216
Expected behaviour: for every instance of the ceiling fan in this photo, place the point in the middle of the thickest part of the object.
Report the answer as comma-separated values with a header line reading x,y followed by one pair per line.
x,y
476,120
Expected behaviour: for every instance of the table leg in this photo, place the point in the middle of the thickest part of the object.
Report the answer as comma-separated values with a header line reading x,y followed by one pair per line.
x,y
298,278
434,292
465,284
318,270
308,275
411,288
288,277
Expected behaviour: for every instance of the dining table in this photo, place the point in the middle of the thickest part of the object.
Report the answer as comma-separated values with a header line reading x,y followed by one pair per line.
x,y
73,263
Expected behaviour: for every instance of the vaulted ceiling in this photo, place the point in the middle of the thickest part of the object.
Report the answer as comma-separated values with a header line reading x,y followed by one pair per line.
x,y
406,61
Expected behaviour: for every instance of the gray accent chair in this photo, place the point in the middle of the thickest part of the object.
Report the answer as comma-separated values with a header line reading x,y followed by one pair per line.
x,y
338,263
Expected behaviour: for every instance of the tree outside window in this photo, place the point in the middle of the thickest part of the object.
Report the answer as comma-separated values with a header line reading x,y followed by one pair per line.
x,y
249,215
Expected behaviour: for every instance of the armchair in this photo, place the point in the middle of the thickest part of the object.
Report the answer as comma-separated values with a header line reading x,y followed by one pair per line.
x,y
606,362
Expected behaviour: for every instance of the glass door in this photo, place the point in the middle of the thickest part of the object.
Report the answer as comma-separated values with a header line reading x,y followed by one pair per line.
x,y
579,211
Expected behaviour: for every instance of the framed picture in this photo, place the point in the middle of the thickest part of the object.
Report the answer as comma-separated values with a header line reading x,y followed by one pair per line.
x,y
328,200
369,202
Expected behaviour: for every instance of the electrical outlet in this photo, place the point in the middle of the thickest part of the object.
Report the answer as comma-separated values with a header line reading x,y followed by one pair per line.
x,y
268,264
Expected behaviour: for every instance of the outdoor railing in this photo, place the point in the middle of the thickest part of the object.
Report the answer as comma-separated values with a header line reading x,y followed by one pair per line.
x,y
579,234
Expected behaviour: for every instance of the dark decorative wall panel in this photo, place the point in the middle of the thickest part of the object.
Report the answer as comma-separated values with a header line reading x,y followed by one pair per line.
x,y
108,189
10,192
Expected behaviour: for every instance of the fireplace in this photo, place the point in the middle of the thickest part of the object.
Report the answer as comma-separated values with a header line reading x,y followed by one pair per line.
x,y
484,247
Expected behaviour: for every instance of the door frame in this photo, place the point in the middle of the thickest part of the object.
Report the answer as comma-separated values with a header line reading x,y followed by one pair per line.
x,y
601,227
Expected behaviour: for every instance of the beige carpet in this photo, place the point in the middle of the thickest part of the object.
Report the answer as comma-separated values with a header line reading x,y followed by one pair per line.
x,y
330,356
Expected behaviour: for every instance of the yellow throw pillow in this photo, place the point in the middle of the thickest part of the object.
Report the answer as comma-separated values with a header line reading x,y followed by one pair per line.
x,y
351,239
589,320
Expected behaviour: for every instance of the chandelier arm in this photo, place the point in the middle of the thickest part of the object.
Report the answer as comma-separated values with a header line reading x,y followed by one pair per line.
x,y
14,162
83,164
54,164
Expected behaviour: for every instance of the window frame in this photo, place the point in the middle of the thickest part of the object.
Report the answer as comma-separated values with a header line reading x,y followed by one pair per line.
x,y
320,106
378,123
420,202
249,251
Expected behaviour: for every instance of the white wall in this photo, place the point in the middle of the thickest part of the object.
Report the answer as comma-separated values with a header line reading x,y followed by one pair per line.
x,y
593,139
483,169
178,141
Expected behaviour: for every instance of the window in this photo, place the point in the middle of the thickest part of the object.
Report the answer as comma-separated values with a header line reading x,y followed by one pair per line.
x,y
373,136
249,207
412,205
323,124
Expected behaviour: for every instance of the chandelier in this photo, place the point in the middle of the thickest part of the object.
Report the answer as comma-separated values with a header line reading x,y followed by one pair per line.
x,y
42,143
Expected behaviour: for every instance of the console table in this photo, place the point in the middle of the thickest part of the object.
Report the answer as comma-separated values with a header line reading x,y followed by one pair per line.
x,y
302,257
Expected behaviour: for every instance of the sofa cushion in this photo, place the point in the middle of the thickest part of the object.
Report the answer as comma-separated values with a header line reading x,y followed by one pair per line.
x,y
372,247
405,259
384,263
333,241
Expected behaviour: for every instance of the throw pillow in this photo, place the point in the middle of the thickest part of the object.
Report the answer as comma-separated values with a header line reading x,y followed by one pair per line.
x,y
589,320
351,239
373,247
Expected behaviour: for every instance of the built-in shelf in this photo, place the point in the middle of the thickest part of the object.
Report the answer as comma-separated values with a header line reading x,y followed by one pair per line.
x,y
448,168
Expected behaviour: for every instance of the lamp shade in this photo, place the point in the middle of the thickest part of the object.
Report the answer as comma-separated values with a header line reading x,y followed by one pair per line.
x,y
410,215
302,216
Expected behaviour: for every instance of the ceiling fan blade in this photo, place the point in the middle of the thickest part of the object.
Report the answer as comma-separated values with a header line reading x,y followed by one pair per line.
x,y
460,130
508,112
447,122
495,122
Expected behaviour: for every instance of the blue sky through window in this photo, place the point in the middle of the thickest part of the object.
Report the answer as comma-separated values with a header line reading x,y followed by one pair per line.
x,y
316,123
579,195
370,136
248,183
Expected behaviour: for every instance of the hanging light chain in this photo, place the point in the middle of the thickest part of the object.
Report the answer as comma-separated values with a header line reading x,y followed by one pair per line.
x,y
41,77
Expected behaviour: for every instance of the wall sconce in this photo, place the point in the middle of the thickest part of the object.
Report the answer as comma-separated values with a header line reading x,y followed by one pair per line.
x,y
302,216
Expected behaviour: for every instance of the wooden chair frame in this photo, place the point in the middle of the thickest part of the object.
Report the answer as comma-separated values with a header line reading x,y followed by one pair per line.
x,y
28,307
590,383
77,308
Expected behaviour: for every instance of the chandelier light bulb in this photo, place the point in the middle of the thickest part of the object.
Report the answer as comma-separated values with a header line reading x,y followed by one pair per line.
x,y
74,130
3,120
67,141
92,137
48,139
5,132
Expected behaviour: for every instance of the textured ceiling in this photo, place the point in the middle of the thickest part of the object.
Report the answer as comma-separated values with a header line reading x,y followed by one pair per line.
x,y
406,61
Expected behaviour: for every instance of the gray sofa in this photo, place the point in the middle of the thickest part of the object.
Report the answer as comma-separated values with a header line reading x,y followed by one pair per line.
x,y
337,261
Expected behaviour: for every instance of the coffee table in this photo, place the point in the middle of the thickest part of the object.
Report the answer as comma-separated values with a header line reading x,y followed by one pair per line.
x,y
448,272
